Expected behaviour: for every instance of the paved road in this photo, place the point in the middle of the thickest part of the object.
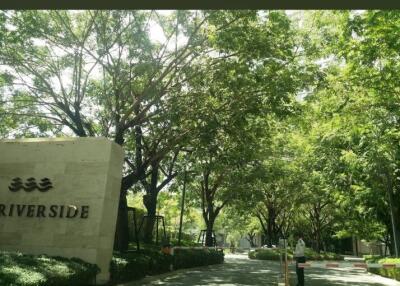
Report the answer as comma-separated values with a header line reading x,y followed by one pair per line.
x,y
342,276
238,270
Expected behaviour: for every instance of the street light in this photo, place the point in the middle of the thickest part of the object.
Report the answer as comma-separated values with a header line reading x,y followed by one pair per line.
x,y
188,151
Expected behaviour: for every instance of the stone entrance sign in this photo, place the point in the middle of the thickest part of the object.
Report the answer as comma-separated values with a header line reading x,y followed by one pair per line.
x,y
60,197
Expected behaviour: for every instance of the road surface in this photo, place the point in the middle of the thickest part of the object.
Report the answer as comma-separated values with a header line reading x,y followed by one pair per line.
x,y
238,270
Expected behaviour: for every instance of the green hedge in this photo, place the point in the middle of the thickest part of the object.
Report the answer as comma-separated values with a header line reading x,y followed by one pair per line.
x,y
28,270
186,258
128,267
273,254
313,255
136,265
393,273
372,258
268,254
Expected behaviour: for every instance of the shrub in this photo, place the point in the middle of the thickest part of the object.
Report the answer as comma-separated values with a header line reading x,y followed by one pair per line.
x,y
313,255
393,273
28,270
186,241
186,258
128,267
269,254
136,265
273,254
372,258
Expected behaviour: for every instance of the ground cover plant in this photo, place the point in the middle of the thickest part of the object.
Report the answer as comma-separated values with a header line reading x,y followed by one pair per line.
x,y
393,273
19,269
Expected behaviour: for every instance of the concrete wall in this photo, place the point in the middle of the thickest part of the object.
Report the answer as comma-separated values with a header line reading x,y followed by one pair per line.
x,y
244,243
368,247
76,217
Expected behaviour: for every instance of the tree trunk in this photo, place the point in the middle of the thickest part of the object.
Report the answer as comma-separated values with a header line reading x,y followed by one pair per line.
x,y
317,232
209,210
394,213
265,232
356,239
250,238
387,243
271,226
121,241
395,235
209,231
150,202
209,217
317,226
318,241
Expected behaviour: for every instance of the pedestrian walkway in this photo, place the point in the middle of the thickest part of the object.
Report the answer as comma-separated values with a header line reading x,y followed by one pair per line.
x,y
238,270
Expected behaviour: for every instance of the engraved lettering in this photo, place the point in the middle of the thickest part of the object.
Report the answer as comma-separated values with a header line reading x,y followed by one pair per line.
x,y
2,210
40,211
20,209
53,211
85,212
72,211
31,211
61,211
11,210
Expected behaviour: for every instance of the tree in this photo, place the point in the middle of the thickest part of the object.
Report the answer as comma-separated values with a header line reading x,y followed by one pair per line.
x,y
258,82
99,73
354,105
341,157
276,194
374,45
367,81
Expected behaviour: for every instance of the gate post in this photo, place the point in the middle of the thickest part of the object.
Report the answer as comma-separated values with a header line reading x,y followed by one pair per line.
x,y
285,271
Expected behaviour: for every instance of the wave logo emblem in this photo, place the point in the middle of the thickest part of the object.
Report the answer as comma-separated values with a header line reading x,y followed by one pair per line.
x,y
30,185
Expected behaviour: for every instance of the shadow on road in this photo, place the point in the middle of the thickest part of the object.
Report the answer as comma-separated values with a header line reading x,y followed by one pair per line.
x,y
238,270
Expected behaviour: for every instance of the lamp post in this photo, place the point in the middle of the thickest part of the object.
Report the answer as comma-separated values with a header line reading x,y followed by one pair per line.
x,y
182,207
